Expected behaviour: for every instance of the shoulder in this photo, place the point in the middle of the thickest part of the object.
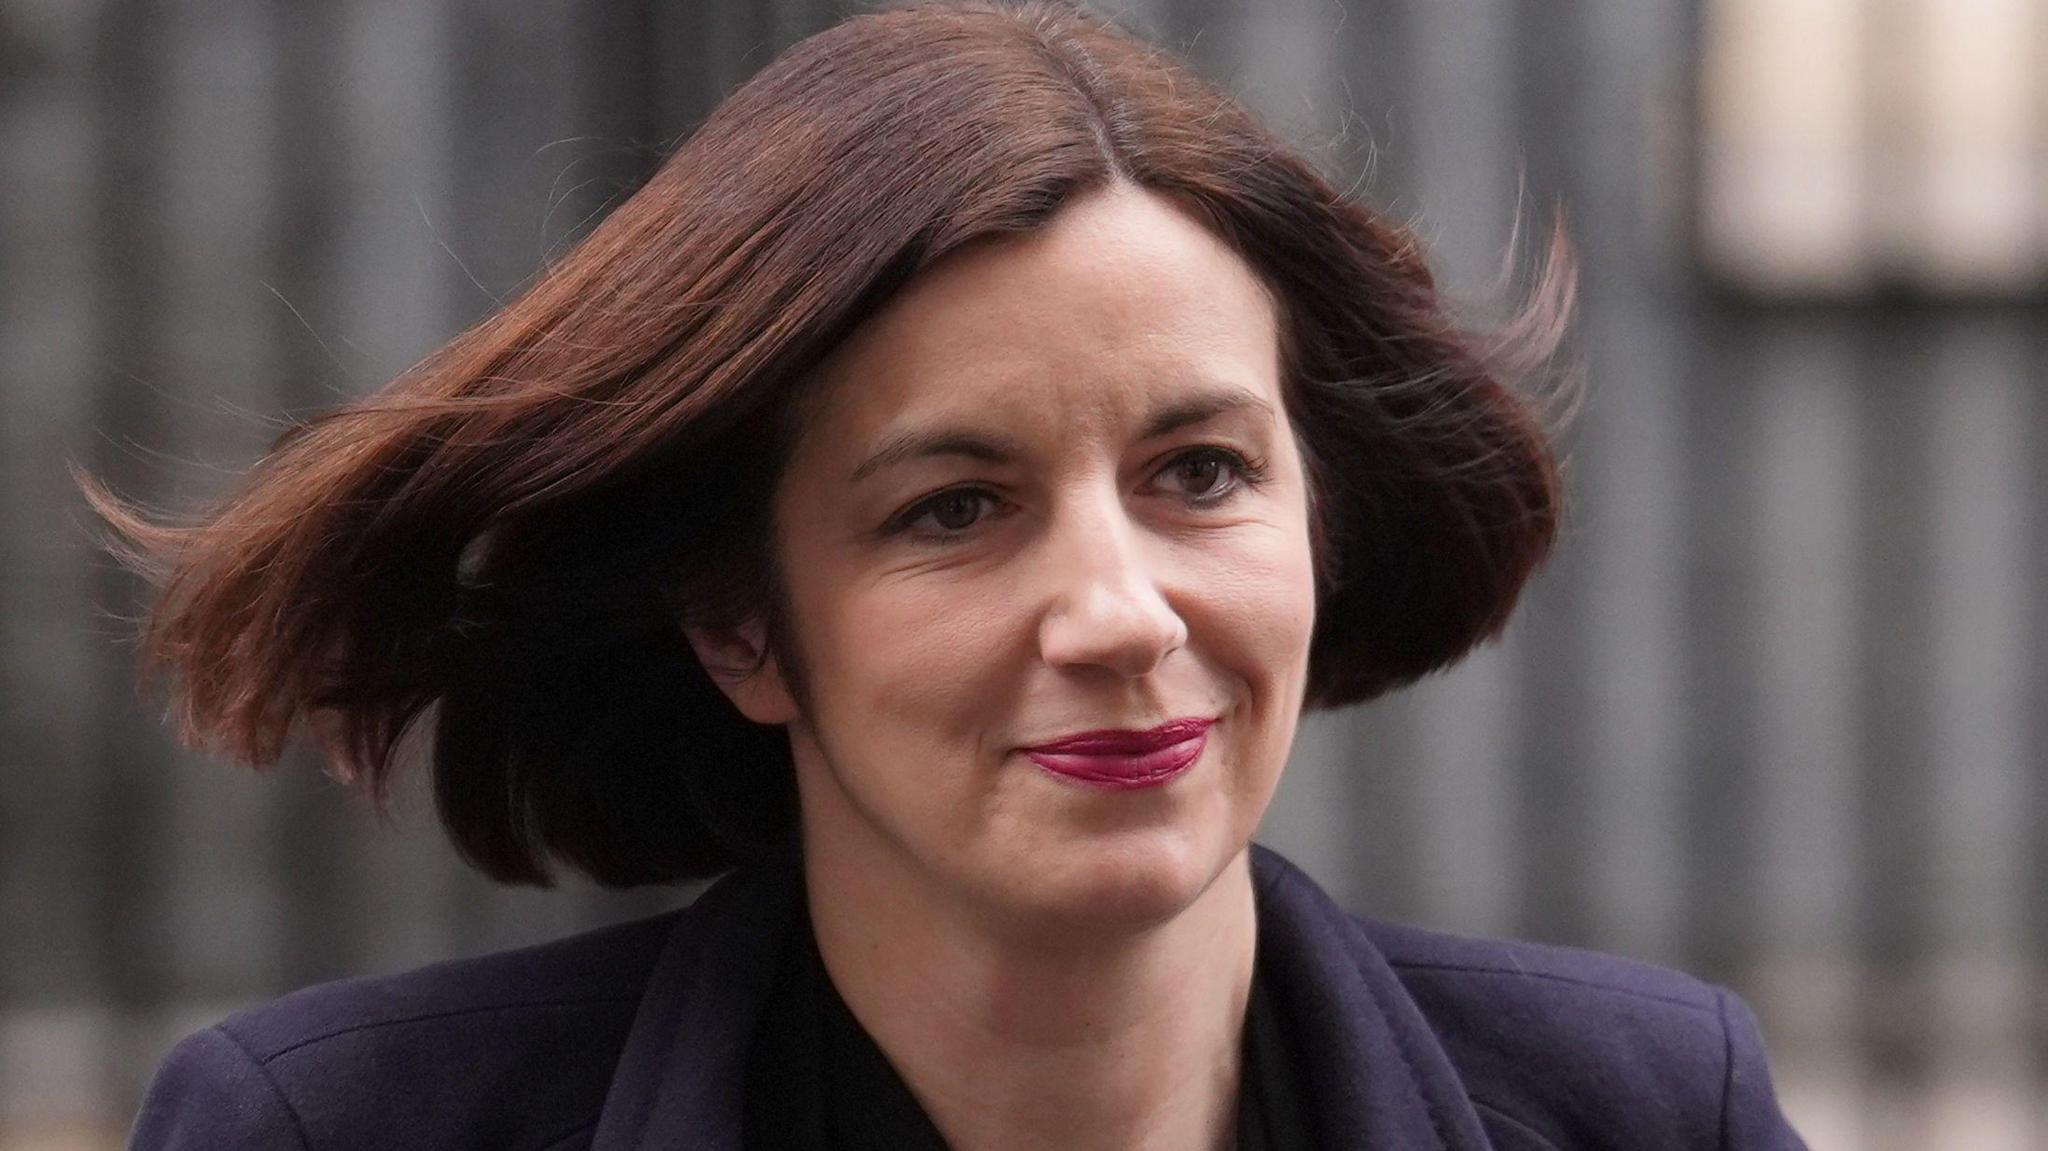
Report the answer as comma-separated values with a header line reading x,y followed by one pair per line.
x,y
509,1050
1568,1048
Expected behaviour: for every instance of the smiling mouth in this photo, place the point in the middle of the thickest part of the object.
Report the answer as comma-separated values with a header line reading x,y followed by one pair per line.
x,y
1126,760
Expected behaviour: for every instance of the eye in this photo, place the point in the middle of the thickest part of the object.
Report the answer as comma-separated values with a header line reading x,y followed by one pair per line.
x,y
1210,475
947,513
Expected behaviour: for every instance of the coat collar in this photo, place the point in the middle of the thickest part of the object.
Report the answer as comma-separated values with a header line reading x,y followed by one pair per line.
x,y
1378,1076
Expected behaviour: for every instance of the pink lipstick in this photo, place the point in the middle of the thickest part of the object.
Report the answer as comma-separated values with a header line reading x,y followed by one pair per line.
x,y
1121,759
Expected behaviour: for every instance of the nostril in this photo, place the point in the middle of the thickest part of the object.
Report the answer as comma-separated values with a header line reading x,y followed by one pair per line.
x,y
1130,634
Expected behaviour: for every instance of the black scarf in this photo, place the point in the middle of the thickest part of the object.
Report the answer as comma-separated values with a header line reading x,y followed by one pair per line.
x,y
816,1081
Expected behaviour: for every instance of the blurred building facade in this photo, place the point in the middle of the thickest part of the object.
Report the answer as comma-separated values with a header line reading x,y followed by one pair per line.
x,y
1774,713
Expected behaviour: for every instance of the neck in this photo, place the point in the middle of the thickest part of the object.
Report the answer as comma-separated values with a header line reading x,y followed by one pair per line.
x,y
1082,1041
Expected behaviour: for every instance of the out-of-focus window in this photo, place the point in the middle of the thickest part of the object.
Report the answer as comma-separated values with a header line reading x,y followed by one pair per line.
x,y
1855,145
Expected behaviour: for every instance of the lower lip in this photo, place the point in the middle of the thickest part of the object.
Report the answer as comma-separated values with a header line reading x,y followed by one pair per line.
x,y
1125,772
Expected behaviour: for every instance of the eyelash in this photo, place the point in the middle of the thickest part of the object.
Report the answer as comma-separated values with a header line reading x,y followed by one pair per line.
x,y
1251,474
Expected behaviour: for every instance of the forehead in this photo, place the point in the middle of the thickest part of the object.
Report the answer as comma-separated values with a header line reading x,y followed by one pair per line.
x,y
1119,304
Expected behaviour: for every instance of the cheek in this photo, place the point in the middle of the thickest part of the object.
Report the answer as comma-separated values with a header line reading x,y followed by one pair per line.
x,y
1260,604
923,657
1274,605
1269,621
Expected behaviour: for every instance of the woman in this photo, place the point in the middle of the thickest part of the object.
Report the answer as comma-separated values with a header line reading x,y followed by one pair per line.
x,y
933,499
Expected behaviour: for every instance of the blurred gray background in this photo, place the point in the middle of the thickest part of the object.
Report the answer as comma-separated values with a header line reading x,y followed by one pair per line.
x,y
1774,714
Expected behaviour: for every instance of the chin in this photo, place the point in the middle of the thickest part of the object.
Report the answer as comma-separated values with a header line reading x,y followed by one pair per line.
x,y
1122,884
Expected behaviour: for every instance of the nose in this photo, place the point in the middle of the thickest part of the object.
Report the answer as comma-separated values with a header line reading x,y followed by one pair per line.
x,y
1106,609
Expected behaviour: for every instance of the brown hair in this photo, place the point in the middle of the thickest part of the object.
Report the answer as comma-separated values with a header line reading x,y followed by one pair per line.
x,y
508,537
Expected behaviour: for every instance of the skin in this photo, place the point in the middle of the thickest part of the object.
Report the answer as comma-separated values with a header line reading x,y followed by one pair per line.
x,y
1047,964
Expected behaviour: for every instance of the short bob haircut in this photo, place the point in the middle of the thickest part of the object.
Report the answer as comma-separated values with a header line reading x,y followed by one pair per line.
x,y
503,544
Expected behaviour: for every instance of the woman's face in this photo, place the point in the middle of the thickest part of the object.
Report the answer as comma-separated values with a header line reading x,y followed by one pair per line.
x,y
1050,489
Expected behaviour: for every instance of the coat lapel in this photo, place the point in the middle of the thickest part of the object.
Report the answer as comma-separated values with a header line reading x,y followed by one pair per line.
x,y
1378,1077
680,1078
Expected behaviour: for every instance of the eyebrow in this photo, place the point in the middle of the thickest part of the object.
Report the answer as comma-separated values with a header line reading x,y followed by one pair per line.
x,y
994,448
1201,407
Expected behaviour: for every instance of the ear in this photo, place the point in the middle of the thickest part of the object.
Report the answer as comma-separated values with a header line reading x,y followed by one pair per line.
x,y
730,656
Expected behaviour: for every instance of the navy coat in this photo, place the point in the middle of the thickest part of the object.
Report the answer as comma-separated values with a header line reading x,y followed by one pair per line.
x,y
634,1038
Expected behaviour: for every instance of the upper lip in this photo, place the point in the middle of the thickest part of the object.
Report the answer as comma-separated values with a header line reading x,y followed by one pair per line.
x,y
1124,741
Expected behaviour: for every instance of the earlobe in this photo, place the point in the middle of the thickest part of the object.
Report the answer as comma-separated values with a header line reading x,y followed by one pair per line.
x,y
738,661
